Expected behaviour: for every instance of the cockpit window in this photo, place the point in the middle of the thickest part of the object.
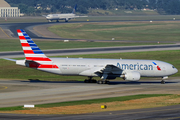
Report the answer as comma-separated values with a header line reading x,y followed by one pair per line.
x,y
173,67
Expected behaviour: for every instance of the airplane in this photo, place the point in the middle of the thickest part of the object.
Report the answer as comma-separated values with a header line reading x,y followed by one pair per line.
x,y
64,16
106,69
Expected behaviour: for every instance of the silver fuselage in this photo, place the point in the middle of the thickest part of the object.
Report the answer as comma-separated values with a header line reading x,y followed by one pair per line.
x,y
88,67
61,16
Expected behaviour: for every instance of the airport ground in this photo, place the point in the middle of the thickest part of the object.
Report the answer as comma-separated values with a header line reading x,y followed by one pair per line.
x,y
20,92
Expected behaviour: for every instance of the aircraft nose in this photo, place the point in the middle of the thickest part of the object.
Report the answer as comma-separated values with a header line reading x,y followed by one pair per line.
x,y
176,70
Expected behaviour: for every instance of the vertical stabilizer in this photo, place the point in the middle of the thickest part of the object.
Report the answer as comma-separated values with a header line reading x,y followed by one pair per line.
x,y
74,10
35,58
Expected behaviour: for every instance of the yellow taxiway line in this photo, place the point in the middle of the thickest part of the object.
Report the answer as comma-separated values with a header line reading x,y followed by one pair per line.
x,y
4,32
3,88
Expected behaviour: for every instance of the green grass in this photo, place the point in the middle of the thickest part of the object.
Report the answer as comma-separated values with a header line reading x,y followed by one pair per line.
x,y
13,108
14,44
82,102
9,70
135,31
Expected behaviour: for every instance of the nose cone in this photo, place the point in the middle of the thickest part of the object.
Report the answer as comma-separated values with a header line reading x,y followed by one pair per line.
x,y
171,70
175,70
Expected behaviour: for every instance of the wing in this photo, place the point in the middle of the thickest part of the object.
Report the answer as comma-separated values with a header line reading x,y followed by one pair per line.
x,y
109,69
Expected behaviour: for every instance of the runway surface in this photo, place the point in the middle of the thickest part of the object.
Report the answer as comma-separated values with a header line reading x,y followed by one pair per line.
x,y
16,92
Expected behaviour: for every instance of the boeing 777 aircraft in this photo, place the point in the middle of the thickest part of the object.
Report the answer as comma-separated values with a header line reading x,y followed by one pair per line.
x,y
65,16
106,69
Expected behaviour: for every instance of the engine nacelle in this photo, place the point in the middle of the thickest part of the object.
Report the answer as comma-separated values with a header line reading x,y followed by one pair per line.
x,y
132,76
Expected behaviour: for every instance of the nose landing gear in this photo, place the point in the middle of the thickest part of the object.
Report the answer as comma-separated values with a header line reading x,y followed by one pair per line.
x,y
163,79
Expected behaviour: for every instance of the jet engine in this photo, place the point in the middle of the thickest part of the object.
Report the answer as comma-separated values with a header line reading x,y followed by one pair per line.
x,y
132,76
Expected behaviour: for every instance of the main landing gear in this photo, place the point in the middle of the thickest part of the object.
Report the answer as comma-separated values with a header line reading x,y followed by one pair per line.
x,y
102,82
103,79
90,80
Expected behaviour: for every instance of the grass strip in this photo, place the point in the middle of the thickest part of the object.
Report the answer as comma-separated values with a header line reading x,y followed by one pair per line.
x,y
83,102
133,31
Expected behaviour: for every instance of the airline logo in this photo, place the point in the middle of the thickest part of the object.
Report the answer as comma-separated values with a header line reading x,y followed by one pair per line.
x,y
158,68
137,66
33,53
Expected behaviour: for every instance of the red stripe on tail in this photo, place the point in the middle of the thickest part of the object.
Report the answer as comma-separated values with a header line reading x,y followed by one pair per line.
x,y
28,52
25,44
38,59
22,38
19,31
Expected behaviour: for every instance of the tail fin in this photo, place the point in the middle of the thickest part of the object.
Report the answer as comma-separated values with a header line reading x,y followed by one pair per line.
x,y
74,10
31,50
35,57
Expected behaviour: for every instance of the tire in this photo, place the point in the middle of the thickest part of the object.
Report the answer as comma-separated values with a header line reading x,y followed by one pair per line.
x,y
85,81
162,82
100,82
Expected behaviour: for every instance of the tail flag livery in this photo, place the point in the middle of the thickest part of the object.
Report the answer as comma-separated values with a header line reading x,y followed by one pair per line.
x,y
35,58
74,10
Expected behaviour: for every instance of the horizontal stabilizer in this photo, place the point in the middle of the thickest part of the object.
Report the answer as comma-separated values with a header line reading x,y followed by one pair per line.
x,y
10,59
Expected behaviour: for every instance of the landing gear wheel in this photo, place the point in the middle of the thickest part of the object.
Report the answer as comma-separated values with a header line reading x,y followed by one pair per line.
x,y
90,81
85,81
94,81
162,82
100,82
107,82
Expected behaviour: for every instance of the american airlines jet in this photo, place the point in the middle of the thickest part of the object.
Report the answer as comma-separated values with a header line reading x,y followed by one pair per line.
x,y
106,69
65,16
